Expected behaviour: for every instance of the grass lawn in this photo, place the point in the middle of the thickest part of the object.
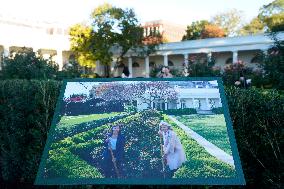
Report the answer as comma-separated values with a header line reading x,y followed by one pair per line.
x,y
211,127
73,120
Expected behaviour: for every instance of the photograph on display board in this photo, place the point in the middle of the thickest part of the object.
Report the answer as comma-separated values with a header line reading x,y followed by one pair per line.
x,y
141,131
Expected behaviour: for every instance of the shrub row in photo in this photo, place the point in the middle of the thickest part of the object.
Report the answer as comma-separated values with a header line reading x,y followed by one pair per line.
x,y
184,111
63,131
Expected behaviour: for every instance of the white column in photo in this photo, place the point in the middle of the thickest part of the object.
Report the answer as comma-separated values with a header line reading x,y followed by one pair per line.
x,y
130,66
166,104
208,104
59,58
185,60
152,104
235,57
165,60
147,67
179,105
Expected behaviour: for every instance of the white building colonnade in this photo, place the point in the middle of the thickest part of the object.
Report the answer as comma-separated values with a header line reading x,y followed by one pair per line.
x,y
224,50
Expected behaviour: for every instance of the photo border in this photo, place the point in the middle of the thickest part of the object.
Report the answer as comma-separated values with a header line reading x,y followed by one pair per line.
x,y
238,180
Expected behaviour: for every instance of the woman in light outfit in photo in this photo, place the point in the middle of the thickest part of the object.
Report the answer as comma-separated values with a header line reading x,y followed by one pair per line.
x,y
172,148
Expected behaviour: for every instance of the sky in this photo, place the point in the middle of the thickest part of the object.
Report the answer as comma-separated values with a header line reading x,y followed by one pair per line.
x,y
181,12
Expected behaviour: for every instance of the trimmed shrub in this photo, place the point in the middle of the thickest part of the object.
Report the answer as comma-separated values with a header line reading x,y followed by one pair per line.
x,y
185,111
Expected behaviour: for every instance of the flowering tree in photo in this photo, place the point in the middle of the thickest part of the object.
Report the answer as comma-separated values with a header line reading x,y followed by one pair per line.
x,y
147,92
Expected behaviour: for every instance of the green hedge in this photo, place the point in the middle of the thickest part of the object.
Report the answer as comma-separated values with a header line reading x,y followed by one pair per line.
x,y
257,117
26,109
185,111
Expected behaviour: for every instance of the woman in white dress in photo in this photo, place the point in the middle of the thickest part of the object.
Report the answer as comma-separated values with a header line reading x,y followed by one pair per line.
x,y
173,151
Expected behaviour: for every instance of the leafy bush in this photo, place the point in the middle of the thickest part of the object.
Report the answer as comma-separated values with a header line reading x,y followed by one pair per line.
x,y
185,111
27,65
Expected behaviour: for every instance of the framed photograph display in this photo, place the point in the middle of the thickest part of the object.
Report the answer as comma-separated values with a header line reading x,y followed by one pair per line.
x,y
174,131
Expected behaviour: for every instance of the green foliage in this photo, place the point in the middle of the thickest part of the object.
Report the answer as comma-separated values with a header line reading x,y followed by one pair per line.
x,y
230,21
184,111
269,19
63,129
257,117
273,65
27,65
66,164
26,110
255,26
203,68
112,29
194,30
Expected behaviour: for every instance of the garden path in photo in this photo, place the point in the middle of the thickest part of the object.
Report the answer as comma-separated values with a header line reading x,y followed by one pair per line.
x,y
209,147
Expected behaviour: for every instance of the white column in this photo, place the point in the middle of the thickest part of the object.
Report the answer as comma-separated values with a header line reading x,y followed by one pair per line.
x,y
165,60
152,105
209,56
185,60
265,51
235,57
179,104
59,58
147,68
6,52
130,66
97,68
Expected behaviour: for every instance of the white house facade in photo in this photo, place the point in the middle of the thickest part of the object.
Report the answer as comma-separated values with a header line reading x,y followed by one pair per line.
x,y
200,95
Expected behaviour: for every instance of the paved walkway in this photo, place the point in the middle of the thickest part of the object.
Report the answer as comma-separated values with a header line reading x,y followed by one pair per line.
x,y
209,147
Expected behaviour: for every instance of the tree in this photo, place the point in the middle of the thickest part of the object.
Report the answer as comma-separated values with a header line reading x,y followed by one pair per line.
x,y
229,21
113,31
147,92
211,31
275,7
201,30
254,27
194,30
275,22
272,15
